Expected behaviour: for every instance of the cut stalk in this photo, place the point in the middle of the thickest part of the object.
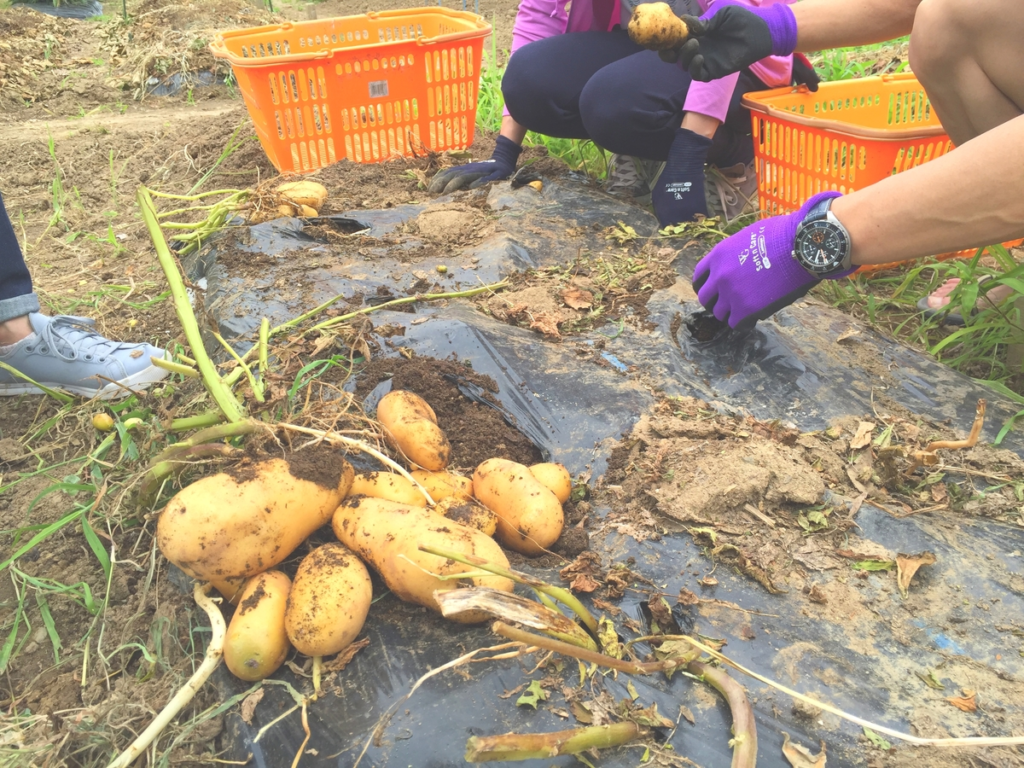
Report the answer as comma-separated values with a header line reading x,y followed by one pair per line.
x,y
537,746
214,654
221,394
564,596
196,422
257,388
169,365
744,727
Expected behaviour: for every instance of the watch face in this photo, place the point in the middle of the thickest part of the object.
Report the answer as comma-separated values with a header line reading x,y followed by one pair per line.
x,y
821,246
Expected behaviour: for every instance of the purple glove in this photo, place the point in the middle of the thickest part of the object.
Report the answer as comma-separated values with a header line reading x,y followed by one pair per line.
x,y
732,36
753,274
472,175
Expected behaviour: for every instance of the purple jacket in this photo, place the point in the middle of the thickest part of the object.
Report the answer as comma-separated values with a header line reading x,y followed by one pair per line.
x,y
538,19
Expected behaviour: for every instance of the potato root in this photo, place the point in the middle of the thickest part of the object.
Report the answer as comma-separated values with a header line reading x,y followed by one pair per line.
x,y
388,535
554,477
232,525
469,514
387,485
256,643
655,27
411,426
530,516
329,601
444,485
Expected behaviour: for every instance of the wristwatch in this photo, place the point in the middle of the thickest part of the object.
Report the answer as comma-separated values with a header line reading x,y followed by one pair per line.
x,y
822,245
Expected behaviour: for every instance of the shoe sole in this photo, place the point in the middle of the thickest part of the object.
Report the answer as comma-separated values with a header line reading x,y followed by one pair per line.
x,y
111,391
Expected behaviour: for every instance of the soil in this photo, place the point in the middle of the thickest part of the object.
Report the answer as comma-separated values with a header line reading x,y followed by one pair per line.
x,y
476,432
318,464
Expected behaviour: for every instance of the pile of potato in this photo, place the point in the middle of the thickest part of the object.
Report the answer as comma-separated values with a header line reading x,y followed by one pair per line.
x,y
302,199
232,530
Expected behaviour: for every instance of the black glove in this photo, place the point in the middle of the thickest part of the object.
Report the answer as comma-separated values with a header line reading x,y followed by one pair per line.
x,y
678,195
733,37
804,74
472,175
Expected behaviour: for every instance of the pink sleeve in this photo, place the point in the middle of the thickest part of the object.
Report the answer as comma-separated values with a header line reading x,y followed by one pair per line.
x,y
711,99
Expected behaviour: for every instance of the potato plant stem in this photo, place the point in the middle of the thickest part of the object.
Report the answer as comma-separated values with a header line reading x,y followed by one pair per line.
x,y
538,746
221,394
196,422
214,654
264,358
744,727
169,365
257,388
548,644
564,596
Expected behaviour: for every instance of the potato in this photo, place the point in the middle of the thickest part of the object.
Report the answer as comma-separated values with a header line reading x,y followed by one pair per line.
x,y
256,643
387,535
529,515
307,194
657,28
411,425
469,514
232,525
444,485
554,477
328,602
387,485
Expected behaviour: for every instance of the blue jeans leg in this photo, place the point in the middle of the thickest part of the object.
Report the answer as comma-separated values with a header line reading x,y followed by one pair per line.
x,y
16,296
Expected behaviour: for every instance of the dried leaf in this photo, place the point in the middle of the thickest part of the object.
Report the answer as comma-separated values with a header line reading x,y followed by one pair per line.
x,y
650,717
631,690
686,714
513,692
686,597
341,661
584,583
546,324
801,757
849,333
747,632
873,565
907,566
576,298
863,437
581,713
608,636
939,493
249,705
709,581
965,703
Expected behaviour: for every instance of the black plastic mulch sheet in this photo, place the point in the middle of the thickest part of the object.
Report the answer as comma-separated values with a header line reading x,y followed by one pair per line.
x,y
78,11
575,407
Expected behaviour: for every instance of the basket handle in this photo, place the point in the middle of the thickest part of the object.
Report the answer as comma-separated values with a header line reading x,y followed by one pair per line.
x,y
220,51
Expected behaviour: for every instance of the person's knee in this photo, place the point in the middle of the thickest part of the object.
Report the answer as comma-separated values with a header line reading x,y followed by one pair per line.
x,y
941,28
518,87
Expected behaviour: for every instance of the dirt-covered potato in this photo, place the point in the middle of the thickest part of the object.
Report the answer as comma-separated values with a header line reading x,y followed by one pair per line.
x,y
256,643
530,516
554,477
443,485
388,535
329,601
469,514
657,28
387,485
229,526
411,425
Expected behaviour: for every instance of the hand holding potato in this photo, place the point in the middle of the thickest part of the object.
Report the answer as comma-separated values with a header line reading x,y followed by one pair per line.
x,y
655,27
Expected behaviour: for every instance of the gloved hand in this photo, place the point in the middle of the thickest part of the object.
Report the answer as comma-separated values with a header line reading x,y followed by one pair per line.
x,y
753,274
678,195
472,175
731,37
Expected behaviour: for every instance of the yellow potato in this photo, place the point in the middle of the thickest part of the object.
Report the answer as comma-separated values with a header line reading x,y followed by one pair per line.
x,y
304,193
229,526
657,28
469,514
387,485
388,535
256,643
555,478
443,485
328,602
411,426
530,516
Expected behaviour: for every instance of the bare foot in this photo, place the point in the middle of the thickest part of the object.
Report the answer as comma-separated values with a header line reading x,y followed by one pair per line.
x,y
939,298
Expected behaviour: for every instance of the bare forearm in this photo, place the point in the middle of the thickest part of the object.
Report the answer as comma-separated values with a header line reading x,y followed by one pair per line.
x,y
971,197
512,130
823,24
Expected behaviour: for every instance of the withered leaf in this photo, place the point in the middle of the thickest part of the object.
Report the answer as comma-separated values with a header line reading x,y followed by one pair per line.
x,y
939,493
577,298
249,705
801,757
546,324
581,712
513,692
863,437
686,597
341,661
584,583
908,565
687,715
966,702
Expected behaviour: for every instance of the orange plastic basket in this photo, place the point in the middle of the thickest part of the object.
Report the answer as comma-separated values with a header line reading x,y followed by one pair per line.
x,y
848,135
367,88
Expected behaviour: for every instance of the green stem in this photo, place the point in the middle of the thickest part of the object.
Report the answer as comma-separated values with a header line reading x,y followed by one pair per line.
x,y
169,365
58,396
591,657
539,746
221,394
201,195
563,596
263,343
257,388
196,422
744,727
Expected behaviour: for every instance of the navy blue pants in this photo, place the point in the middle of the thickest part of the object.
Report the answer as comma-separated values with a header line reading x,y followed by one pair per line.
x,y
604,87
16,297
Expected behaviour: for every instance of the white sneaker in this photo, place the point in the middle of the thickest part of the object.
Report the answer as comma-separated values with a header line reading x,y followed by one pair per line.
x,y
66,353
731,192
